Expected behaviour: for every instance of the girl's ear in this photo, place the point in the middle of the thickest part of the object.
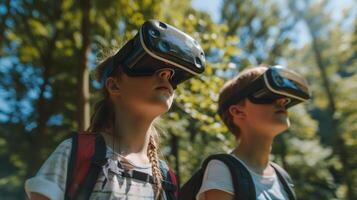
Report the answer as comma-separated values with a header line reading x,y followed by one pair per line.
x,y
112,86
237,111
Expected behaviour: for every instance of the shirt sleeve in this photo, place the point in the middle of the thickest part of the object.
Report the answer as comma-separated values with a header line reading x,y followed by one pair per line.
x,y
50,180
217,176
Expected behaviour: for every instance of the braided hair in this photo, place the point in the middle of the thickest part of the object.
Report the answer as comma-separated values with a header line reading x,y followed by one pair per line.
x,y
103,118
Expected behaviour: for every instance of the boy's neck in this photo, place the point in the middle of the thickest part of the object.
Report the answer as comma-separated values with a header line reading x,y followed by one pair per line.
x,y
255,153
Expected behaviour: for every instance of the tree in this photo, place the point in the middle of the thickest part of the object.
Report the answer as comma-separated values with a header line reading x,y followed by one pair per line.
x,y
49,48
331,52
41,50
83,72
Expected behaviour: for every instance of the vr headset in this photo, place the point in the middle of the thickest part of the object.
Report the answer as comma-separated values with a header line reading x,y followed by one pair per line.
x,y
277,82
158,46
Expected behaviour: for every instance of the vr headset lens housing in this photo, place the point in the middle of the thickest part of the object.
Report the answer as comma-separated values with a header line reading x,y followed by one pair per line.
x,y
277,82
157,46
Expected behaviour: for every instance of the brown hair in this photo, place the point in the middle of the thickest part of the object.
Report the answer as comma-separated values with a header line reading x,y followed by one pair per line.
x,y
230,88
103,118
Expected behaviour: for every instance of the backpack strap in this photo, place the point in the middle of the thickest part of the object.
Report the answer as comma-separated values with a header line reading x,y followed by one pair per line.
x,y
169,182
138,175
87,155
70,166
243,185
286,180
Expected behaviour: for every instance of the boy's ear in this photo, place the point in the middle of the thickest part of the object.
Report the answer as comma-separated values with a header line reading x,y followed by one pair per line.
x,y
112,86
237,111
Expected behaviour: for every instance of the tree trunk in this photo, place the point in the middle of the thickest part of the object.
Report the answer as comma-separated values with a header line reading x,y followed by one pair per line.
x,y
83,73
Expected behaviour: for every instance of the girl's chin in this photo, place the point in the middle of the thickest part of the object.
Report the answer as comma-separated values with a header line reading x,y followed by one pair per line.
x,y
161,107
165,101
164,97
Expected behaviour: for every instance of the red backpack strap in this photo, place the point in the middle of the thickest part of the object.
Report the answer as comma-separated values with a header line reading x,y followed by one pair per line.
x,y
82,171
174,181
169,182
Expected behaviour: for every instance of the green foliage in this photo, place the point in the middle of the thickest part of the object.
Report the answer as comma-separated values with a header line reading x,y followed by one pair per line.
x,y
331,54
40,44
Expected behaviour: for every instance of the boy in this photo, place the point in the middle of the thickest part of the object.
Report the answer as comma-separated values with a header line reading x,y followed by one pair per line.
x,y
253,106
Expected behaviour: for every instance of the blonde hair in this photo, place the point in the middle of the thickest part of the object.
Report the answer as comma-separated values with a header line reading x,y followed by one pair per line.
x,y
103,118
154,160
233,87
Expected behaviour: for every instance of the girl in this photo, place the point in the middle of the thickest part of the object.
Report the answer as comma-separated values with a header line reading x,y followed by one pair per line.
x,y
125,120
255,125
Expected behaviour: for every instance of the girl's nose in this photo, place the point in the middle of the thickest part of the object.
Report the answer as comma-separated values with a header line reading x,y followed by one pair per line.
x,y
283,101
165,73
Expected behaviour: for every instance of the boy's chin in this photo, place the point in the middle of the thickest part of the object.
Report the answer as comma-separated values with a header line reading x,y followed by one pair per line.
x,y
283,123
283,127
279,127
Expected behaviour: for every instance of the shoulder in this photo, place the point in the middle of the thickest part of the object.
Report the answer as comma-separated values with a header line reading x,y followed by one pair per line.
x,y
217,170
216,177
163,164
65,145
61,153
219,166
58,158
167,172
50,179
284,178
280,171
169,182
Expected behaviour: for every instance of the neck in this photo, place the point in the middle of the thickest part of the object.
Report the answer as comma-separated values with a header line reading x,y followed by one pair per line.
x,y
254,151
130,135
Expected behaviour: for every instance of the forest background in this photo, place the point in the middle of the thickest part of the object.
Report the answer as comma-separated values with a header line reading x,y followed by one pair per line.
x,y
48,50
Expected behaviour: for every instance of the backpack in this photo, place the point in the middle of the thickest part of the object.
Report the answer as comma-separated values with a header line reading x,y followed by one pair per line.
x,y
88,155
243,184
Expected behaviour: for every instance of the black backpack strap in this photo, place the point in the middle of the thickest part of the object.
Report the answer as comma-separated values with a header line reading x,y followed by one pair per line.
x,y
243,184
168,183
189,190
285,179
138,175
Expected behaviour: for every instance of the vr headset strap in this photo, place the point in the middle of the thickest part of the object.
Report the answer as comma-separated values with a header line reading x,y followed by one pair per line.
x,y
245,92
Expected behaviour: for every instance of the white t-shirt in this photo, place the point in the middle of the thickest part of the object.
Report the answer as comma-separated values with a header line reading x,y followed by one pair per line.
x,y
50,180
217,176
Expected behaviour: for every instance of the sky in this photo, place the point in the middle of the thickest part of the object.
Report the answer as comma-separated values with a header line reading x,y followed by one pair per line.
x,y
213,7
336,8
